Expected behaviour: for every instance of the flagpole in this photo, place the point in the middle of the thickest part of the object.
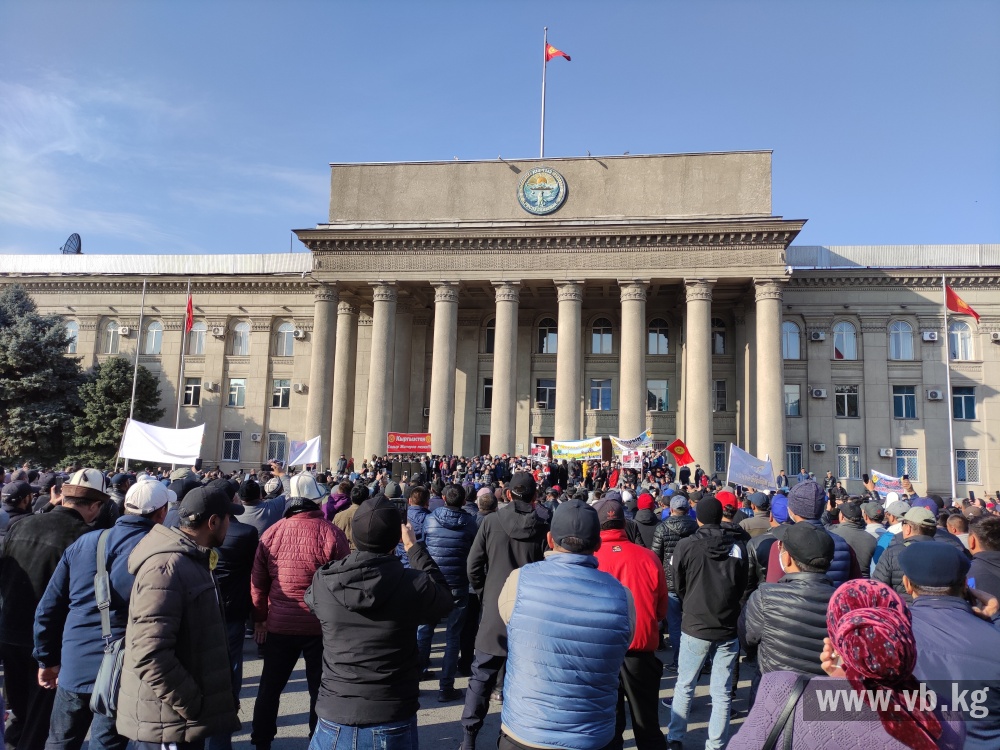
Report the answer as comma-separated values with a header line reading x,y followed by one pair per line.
x,y
545,46
948,397
135,368
180,375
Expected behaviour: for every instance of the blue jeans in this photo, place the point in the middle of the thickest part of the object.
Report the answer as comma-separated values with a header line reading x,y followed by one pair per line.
x,y
694,652
674,610
71,718
235,634
452,642
399,735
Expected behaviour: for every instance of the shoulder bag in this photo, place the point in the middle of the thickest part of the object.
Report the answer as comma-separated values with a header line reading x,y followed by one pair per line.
x,y
104,699
786,720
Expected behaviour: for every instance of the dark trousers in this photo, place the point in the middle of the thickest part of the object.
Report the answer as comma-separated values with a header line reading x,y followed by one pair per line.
x,y
639,681
469,631
485,668
280,654
504,742
72,718
198,745
26,699
235,632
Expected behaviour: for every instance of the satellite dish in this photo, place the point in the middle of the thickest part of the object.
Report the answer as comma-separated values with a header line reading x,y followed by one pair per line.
x,y
73,245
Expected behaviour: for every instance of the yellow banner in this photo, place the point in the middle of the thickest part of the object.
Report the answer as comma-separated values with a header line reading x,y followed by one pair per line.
x,y
579,449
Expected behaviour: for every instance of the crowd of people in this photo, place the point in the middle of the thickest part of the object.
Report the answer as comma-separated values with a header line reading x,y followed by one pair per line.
x,y
565,591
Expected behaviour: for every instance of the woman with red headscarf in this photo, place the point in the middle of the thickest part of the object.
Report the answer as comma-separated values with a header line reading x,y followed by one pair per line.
x,y
870,648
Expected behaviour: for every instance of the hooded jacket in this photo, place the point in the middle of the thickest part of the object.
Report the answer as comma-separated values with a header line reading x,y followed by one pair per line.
x,y
448,536
176,683
508,539
334,504
986,571
665,538
646,522
710,573
640,571
370,606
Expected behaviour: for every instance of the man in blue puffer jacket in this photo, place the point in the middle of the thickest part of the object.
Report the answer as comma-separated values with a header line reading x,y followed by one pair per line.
x,y
448,536
569,626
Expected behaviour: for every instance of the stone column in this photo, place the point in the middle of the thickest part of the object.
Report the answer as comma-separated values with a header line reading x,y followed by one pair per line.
x,y
319,407
381,371
770,373
698,372
442,419
345,373
502,415
401,372
632,375
569,361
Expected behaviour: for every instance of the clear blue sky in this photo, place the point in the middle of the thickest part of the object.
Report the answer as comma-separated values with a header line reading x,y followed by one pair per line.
x,y
172,127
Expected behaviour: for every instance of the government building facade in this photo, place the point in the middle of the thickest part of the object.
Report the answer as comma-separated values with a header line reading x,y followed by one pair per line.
x,y
494,304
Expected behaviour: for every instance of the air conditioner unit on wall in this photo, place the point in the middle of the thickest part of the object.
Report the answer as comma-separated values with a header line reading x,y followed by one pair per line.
x,y
817,336
935,395
299,387
218,331
299,333
255,437
209,386
929,335
124,331
818,393
819,447
995,337
885,452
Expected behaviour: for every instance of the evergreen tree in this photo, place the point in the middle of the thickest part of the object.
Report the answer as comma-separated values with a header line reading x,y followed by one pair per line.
x,y
38,382
106,397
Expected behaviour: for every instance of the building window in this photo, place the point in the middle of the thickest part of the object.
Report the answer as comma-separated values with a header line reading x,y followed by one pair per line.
x,y
719,456
657,396
907,464
793,459
491,337
960,340
231,446
284,340
240,346
601,339
846,397
487,393
192,391
718,336
237,392
153,343
904,402
547,336
719,395
72,336
967,466
111,337
845,341
848,462
196,338
545,394
793,400
900,340
276,444
600,395
963,402
659,339
790,340
281,393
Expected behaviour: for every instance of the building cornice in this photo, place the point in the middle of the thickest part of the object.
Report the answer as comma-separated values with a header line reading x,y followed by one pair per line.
x,y
870,280
127,285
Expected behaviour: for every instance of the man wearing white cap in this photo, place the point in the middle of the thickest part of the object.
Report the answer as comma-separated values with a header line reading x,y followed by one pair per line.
x,y
68,637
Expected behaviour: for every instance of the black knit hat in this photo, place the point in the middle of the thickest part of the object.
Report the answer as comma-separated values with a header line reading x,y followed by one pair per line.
x,y
376,526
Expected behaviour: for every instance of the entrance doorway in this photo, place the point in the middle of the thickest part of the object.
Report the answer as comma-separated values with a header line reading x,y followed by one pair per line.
x,y
484,445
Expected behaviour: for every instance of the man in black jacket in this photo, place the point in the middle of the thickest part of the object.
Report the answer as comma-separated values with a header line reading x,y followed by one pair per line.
x,y
710,574
370,607
984,544
667,534
508,539
852,528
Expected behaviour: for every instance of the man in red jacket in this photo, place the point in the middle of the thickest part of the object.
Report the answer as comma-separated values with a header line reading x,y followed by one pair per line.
x,y
290,552
640,571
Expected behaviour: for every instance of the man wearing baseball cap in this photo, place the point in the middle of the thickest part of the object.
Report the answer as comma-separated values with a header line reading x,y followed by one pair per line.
x,y
68,637
176,686
32,550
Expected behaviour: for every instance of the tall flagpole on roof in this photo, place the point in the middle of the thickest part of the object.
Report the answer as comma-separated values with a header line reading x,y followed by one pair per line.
x,y
947,377
545,46
135,368
180,378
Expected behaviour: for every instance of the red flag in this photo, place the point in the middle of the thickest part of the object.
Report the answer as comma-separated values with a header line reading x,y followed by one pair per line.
x,y
680,452
189,319
551,52
958,305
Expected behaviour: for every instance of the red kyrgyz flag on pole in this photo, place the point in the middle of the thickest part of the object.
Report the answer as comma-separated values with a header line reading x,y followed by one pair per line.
x,y
680,452
551,52
958,305
189,318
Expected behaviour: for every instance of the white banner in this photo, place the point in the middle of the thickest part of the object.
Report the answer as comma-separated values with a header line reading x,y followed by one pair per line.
x,y
539,453
144,442
885,483
632,459
302,452
619,445
748,471
580,449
